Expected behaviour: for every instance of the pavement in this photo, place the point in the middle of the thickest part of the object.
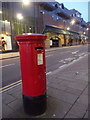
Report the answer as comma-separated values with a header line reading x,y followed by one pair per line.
x,y
67,94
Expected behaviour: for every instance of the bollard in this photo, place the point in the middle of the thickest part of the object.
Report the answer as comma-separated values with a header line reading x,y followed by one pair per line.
x,y
33,71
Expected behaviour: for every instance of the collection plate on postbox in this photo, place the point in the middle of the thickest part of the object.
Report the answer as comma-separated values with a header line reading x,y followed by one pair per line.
x,y
40,55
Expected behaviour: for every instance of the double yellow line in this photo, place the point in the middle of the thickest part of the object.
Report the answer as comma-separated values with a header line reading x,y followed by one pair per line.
x,y
3,89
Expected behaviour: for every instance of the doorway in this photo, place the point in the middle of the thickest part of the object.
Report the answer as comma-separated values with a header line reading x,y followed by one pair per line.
x,y
54,42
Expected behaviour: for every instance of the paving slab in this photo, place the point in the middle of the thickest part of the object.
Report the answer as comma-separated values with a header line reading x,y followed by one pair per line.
x,y
6,98
79,85
62,95
78,110
86,92
6,110
9,55
53,78
74,75
17,107
13,115
56,85
66,86
56,108
86,115
70,115
73,91
83,99
14,90
17,96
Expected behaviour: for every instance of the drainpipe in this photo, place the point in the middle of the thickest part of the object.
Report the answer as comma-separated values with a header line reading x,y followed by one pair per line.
x,y
64,33
64,39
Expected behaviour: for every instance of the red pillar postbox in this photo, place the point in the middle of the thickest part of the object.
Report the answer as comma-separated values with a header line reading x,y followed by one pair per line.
x,y
33,70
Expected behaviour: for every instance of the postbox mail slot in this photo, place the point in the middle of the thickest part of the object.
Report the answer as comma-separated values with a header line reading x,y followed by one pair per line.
x,y
38,48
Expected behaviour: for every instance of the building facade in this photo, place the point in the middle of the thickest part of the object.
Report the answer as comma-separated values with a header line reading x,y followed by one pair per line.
x,y
62,26
12,26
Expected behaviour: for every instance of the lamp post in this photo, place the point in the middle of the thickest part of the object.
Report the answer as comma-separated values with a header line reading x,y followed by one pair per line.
x,y
68,28
64,33
26,2
84,33
0,12
64,24
42,20
19,17
73,22
30,29
87,29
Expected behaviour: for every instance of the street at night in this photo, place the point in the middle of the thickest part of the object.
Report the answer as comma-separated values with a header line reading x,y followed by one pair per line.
x,y
44,59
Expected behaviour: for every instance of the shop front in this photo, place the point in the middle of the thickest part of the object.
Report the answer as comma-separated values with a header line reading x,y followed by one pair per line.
x,y
57,37
5,36
84,38
54,41
5,42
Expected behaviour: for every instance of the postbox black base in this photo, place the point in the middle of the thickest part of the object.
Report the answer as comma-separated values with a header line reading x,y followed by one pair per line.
x,y
35,105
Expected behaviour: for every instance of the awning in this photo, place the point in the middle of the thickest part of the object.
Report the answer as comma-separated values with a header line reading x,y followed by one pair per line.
x,y
49,28
54,29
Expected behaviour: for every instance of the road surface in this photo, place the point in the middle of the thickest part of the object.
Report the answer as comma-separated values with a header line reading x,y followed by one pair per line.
x,y
55,60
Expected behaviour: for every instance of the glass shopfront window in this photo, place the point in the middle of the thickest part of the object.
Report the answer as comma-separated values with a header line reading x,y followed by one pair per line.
x,y
5,36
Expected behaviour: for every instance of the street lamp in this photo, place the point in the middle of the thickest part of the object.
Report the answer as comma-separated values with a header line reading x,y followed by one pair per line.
x,y
26,2
0,12
68,28
84,33
64,25
19,16
30,29
6,21
87,29
73,22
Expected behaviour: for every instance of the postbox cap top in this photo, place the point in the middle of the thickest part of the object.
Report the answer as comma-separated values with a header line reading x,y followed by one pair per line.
x,y
31,36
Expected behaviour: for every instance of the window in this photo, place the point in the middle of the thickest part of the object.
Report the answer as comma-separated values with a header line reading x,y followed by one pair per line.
x,y
73,15
56,5
33,29
62,6
55,18
30,29
78,14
